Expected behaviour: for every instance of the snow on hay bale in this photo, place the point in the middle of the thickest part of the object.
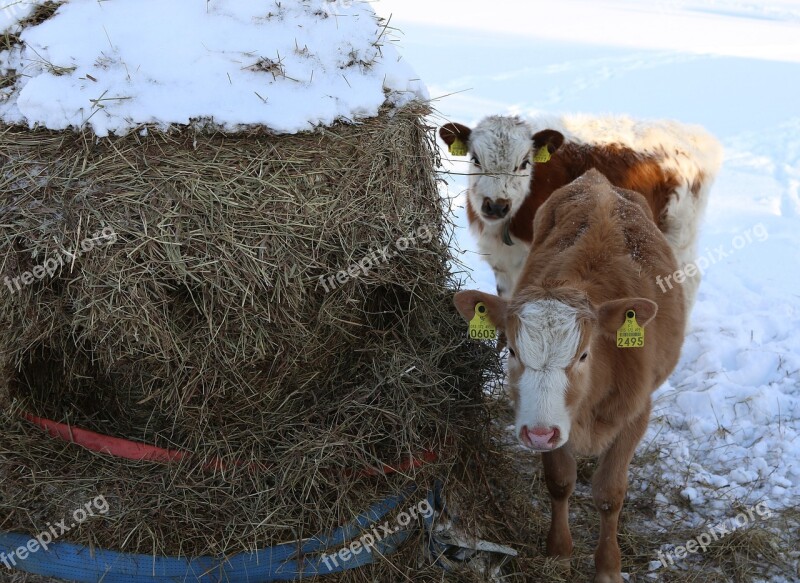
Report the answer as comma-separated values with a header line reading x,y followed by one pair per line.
x,y
166,262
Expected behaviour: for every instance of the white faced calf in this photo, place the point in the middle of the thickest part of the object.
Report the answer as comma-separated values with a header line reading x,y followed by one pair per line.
x,y
517,164
594,259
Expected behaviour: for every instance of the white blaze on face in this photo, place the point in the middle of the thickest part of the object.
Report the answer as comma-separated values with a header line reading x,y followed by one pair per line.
x,y
547,340
501,144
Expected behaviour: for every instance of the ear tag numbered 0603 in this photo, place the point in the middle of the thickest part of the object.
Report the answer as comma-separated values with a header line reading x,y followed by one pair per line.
x,y
481,327
630,335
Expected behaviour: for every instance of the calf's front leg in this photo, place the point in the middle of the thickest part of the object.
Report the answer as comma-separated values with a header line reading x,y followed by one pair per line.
x,y
609,486
560,473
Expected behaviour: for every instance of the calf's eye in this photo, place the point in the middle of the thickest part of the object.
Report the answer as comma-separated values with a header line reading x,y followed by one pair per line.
x,y
583,356
512,353
476,161
524,165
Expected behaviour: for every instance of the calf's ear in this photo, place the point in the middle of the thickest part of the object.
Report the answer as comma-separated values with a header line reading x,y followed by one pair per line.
x,y
611,315
552,139
466,301
450,132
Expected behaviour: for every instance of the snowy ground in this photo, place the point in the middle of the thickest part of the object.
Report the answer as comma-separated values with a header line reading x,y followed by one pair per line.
x,y
726,425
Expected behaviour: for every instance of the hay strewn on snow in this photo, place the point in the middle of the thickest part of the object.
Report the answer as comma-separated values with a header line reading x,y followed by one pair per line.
x,y
203,324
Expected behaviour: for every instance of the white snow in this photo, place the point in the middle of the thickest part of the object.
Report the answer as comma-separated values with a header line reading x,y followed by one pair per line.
x,y
726,27
117,64
727,424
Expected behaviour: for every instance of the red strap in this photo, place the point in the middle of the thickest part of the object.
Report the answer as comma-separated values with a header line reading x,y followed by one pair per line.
x,y
122,448
134,450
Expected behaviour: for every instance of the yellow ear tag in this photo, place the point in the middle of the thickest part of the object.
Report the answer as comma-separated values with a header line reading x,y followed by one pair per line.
x,y
481,327
631,335
458,148
542,155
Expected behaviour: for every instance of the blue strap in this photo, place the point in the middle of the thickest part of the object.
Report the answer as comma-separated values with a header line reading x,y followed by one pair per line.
x,y
285,562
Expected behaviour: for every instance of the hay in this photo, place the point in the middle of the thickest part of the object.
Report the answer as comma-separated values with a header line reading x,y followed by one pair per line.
x,y
203,324
208,309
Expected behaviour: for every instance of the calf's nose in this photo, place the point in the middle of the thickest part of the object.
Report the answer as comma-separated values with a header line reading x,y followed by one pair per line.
x,y
540,438
496,209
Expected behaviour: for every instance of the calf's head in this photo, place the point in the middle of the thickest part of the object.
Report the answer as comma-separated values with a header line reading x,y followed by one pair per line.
x,y
501,150
553,335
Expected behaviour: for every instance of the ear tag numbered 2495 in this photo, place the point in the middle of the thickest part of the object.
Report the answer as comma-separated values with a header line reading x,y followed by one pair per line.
x,y
630,335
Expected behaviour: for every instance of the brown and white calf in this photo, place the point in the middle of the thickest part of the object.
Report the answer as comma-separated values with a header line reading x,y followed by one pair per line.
x,y
595,257
672,165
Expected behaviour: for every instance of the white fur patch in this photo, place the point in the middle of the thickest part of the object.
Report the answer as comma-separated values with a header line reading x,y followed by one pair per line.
x,y
688,149
547,340
541,401
506,261
501,144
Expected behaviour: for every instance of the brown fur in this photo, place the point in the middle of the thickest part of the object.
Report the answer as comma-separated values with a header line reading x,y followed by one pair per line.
x,y
622,166
618,255
596,249
698,183
449,132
